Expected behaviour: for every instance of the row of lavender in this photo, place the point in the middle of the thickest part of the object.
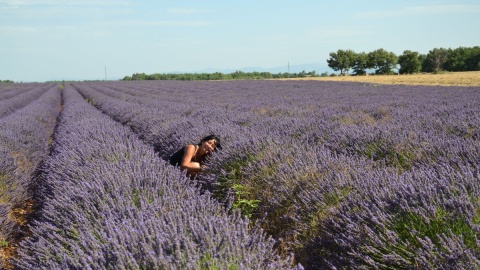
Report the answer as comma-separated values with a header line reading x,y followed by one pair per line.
x,y
13,97
343,174
108,202
25,135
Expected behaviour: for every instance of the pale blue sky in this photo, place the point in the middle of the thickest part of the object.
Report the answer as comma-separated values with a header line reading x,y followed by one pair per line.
x,y
58,39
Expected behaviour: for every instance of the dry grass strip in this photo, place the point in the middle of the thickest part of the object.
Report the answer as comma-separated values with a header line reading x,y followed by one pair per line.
x,y
470,78
20,216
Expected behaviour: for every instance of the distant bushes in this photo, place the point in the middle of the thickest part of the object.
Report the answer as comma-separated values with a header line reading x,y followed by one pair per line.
x,y
237,75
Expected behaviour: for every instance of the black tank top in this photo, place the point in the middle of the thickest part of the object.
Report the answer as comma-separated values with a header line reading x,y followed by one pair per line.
x,y
176,158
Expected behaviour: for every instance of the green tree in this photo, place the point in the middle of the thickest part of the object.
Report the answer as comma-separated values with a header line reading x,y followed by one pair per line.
x,y
139,76
463,59
342,60
361,64
473,60
435,60
409,62
456,59
422,58
382,61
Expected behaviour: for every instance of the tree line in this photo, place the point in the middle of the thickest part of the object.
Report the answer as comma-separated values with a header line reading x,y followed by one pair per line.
x,y
237,75
384,62
379,61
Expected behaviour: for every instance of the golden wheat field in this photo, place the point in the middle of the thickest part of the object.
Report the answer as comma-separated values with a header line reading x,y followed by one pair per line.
x,y
470,78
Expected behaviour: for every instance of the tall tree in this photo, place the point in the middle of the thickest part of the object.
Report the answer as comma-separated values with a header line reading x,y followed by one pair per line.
x,y
422,58
361,64
342,60
382,61
473,60
435,60
456,59
409,62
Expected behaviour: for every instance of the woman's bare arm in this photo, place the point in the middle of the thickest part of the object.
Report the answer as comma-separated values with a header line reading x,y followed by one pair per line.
x,y
187,160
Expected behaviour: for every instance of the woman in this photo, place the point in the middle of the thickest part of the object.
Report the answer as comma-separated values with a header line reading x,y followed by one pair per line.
x,y
192,157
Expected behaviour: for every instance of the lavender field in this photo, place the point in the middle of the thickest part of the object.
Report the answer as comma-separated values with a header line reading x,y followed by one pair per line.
x,y
312,174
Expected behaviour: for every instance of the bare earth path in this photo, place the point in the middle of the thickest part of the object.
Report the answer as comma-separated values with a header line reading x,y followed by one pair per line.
x,y
470,78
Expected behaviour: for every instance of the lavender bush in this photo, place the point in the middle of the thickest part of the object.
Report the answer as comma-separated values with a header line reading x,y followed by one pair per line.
x,y
343,174
21,96
24,142
108,202
10,90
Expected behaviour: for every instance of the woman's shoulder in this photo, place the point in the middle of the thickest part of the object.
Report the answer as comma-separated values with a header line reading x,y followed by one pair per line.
x,y
190,147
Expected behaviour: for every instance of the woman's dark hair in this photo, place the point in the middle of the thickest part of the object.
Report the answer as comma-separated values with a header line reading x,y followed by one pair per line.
x,y
212,137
